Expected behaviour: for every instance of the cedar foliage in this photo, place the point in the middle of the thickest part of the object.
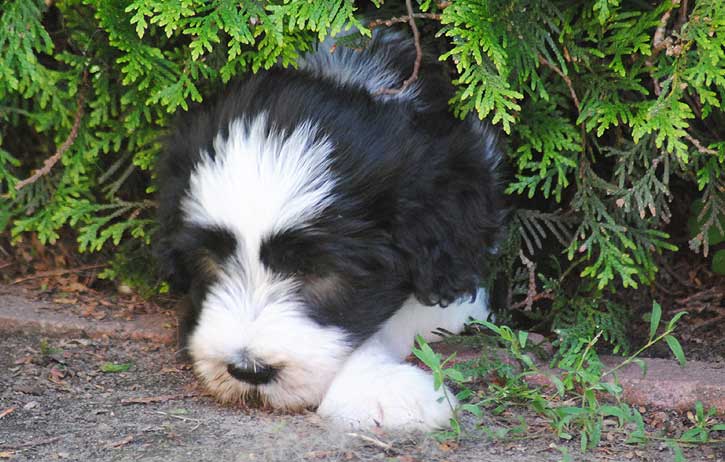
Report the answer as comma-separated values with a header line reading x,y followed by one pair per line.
x,y
602,102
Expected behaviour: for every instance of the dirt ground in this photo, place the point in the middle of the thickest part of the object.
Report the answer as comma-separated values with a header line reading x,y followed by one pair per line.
x,y
57,404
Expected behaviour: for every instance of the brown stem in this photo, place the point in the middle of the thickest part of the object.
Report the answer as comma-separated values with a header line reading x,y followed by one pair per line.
x,y
52,160
566,78
418,55
390,21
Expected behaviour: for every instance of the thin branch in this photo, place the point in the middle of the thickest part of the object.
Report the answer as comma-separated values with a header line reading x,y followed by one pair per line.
x,y
683,14
702,149
531,293
31,444
566,78
659,42
418,55
52,160
390,21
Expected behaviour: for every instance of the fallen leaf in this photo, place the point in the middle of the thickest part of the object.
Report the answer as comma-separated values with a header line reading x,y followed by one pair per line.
x,y
6,454
448,446
56,374
27,359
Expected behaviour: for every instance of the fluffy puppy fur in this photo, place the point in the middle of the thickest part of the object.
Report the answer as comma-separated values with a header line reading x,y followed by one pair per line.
x,y
318,225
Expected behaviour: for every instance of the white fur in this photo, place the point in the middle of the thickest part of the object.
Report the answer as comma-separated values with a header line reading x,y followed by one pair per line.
x,y
258,182
262,181
374,388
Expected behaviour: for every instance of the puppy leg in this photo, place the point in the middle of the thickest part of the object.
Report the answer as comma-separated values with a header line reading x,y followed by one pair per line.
x,y
413,318
374,387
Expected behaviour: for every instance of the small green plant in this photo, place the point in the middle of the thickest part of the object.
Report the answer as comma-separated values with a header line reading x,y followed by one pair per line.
x,y
585,393
112,368
46,349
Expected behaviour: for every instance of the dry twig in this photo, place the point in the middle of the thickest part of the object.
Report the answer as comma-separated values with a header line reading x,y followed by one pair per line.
x,y
531,295
156,399
390,21
374,441
52,160
30,444
181,417
702,149
418,55
566,78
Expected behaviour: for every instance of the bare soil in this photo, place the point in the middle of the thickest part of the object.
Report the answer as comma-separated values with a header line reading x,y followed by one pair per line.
x,y
57,404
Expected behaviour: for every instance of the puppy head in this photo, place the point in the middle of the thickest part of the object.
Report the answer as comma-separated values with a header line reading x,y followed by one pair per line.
x,y
295,251
283,284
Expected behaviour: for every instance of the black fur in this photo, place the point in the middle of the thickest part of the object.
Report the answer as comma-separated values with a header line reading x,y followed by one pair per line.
x,y
418,206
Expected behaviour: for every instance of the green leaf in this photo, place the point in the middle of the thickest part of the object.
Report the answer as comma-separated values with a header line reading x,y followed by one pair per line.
x,y
523,335
654,321
676,348
473,409
679,456
114,367
614,411
675,318
718,262
642,365
455,375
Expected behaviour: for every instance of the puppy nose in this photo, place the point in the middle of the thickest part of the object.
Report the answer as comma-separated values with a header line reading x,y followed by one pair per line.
x,y
246,369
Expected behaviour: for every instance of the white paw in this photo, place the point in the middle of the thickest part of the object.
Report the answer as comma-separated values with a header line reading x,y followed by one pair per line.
x,y
373,390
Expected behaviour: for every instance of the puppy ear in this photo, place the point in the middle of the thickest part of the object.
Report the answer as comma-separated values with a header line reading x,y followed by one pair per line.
x,y
449,228
169,257
170,264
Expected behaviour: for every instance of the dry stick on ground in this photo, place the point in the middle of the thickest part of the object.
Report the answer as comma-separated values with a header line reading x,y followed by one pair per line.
x,y
157,399
58,272
375,441
52,160
7,411
418,55
30,444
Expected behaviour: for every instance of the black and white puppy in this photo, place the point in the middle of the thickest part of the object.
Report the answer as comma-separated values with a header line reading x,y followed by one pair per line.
x,y
319,224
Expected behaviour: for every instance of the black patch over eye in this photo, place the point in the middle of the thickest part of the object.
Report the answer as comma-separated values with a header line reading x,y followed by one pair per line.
x,y
288,253
217,241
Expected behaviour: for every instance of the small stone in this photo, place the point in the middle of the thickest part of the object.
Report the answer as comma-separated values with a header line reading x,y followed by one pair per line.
x,y
30,405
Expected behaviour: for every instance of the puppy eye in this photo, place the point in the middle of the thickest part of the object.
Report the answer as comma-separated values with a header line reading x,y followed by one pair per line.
x,y
287,254
215,241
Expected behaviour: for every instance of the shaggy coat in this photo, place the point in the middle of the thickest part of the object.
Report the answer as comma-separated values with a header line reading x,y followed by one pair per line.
x,y
319,224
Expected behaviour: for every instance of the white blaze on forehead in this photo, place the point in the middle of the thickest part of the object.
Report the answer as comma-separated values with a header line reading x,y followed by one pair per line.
x,y
261,180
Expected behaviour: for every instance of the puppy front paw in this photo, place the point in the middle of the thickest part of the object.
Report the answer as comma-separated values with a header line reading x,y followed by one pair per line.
x,y
389,395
